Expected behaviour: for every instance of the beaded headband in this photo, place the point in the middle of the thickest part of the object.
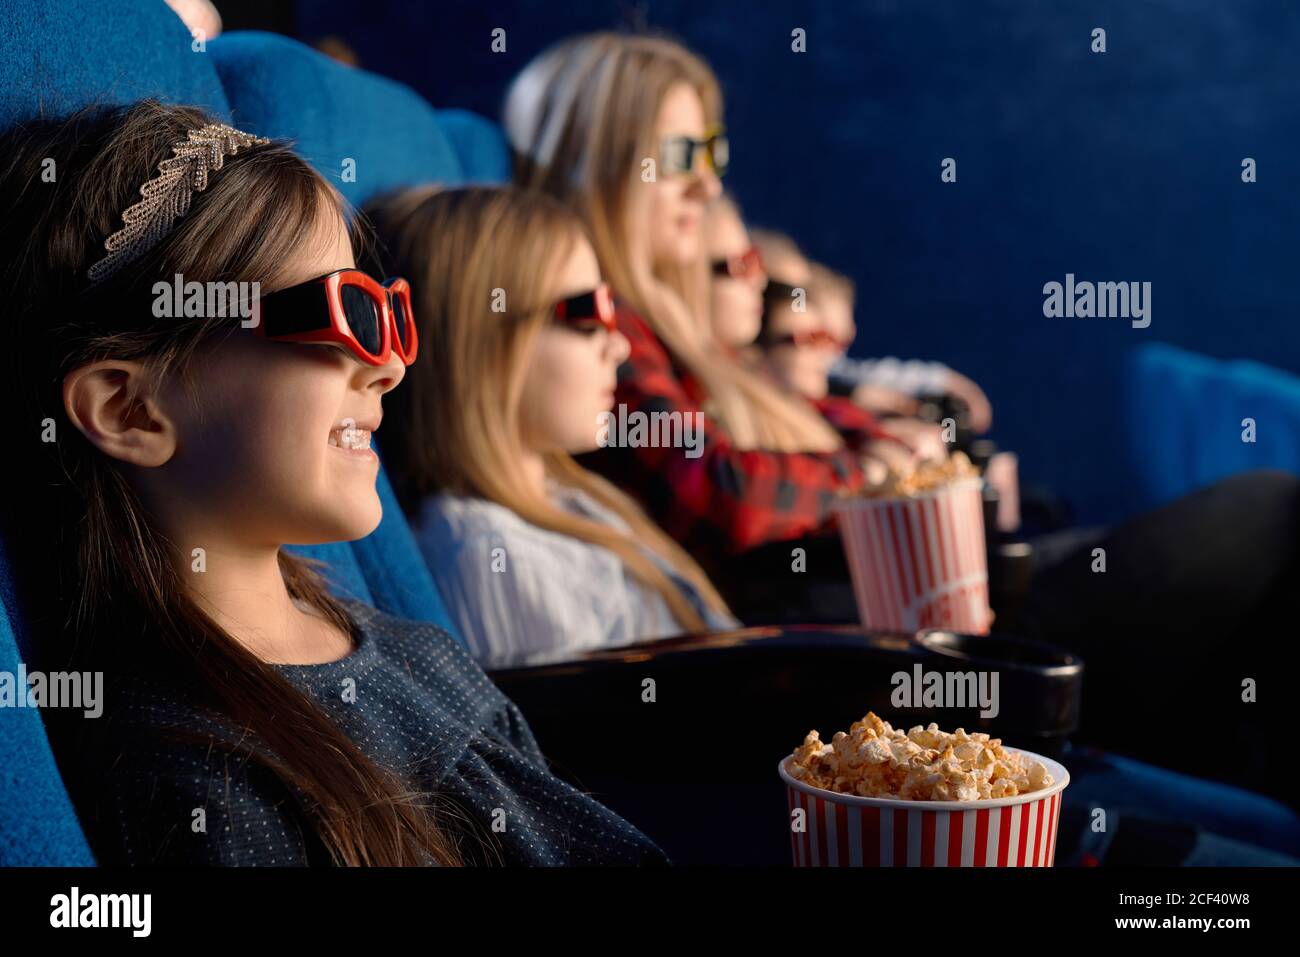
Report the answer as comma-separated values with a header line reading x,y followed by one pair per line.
x,y
166,197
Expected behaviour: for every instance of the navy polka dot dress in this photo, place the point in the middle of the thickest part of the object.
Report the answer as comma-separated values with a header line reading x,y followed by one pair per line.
x,y
413,701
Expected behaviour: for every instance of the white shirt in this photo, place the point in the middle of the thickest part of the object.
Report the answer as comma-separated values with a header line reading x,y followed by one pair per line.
x,y
517,591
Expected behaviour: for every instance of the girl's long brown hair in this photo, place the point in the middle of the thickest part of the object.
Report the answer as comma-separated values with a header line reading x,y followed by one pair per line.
x,y
102,587
454,426
580,118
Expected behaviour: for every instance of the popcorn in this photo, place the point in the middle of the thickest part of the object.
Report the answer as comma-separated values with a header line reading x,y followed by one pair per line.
x,y
927,477
874,759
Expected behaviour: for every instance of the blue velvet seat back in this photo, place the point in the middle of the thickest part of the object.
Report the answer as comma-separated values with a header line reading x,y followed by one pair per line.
x,y
1187,425
366,134
56,57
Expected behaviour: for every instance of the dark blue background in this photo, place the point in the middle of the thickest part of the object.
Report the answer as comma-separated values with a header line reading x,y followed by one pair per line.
x,y
1116,166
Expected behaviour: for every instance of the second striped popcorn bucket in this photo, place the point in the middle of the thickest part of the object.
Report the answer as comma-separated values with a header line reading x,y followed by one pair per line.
x,y
918,562
828,829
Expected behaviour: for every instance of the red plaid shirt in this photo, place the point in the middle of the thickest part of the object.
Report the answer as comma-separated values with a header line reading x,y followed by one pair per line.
x,y
726,500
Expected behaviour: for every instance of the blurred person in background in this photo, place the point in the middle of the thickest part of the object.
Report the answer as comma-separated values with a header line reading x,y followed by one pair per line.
x,y
816,363
532,553
756,312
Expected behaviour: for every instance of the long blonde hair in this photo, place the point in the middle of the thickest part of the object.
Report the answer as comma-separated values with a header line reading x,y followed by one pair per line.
x,y
454,426
580,118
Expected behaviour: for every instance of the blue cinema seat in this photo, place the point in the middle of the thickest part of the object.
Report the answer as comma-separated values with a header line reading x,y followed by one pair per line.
x,y
365,134
38,826
480,146
58,56
1185,419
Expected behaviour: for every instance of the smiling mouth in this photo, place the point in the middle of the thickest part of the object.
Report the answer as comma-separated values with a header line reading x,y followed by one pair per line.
x,y
351,439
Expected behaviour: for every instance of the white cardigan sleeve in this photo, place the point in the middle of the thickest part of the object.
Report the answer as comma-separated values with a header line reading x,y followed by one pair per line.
x,y
913,377
513,589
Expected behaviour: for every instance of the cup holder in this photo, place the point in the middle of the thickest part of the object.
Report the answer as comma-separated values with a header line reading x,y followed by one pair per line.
x,y
1040,686
1003,652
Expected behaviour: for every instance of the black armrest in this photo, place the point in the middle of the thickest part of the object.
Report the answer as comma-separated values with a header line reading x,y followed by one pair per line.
x,y
695,767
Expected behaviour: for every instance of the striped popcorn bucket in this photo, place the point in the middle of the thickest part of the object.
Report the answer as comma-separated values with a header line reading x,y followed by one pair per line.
x,y
844,830
919,562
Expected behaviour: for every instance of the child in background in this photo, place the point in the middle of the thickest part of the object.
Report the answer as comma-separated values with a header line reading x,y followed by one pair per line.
x,y
795,341
880,385
738,278
761,310
532,553
889,384
742,296
834,294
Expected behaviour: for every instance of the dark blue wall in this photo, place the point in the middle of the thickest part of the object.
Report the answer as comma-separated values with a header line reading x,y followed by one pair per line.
x,y
1115,166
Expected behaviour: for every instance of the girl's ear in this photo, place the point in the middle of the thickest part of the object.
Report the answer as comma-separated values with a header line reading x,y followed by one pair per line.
x,y
110,404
